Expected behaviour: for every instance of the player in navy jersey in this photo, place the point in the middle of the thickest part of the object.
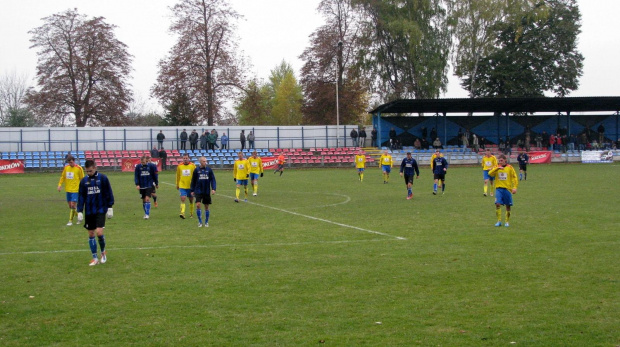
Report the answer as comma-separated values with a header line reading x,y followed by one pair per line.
x,y
96,199
523,160
407,168
203,186
145,177
440,168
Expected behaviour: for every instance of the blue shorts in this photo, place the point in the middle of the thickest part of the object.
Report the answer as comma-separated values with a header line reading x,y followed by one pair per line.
x,y
503,196
185,192
360,169
72,197
254,176
386,168
242,182
485,174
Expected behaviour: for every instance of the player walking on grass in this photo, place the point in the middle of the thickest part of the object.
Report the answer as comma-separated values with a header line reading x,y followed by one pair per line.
x,y
145,177
256,170
360,164
440,169
435,155
184,184
280,160
241,173
407,169
96,199
153,162
386,165
71,176
202,187
488,162
505,185
523,160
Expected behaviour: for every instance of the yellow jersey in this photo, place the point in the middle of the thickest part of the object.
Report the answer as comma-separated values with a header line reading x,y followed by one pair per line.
x,y
505,177
386,160
360,161
184,175
489,162
256,165
71,177
241,170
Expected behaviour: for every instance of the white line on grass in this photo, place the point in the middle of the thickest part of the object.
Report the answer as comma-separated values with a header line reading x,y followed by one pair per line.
x,y
199,246
316,218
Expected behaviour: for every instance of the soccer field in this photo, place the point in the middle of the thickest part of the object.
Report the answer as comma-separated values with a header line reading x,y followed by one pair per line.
x,y
319,257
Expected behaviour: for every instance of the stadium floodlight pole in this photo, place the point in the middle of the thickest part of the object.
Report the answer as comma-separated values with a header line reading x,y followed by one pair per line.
x,y
338,61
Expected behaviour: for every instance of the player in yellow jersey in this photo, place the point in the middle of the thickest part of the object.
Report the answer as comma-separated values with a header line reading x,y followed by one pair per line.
x,y
184,184
360,164
488,162
241,173
256,170
71,176
386,165
505,185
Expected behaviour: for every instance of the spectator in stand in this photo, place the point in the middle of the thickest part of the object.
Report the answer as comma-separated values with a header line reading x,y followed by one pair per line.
x,y
353,135
417,144
163,156
508,146
160,139
362,137
459,137
601,134
424,132
224,141
558,142
193,140
214,132
465,141
552,142
583,141
437,144
211,139
425,144
539,140
545,140
475,143
392,135
242,139
183,138
433,134
251,139
154,152
204,140
373,137
520,144
482,142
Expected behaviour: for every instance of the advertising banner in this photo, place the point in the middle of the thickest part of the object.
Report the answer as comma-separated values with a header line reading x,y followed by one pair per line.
x,y
540,157
129,164
12,166
606,156
269,162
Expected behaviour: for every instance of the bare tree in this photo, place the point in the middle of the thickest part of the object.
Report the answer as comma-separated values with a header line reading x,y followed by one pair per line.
x,y
13,88
203,63
82,71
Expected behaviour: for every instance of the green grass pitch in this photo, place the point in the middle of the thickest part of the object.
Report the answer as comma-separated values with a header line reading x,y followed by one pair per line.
x,y
320,258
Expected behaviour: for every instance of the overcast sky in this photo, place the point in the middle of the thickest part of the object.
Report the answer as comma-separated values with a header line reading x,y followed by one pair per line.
x,y
271,31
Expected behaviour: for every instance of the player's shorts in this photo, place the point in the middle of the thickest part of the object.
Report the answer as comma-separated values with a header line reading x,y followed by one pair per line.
x,y
185,192
503,196
408,179
72,197
280,167
523,167
254,176
440,176
485,174
242,182
94,221
360,169
203,199
144,192
386,168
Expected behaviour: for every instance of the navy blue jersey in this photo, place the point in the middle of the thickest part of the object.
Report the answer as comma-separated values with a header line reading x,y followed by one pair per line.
x,y
203,181
95,194
146,175
408,166
523,159
440,164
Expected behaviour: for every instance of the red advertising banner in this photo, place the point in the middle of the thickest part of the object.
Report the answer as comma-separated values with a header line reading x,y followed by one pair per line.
x,y
269,162
129,164
12,166
540,157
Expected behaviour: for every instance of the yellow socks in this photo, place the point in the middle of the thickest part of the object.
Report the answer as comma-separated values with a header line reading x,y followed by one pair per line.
x,y
361,177
256,188
485,189
191,208
182,208
498,213
237,192
507,216
71,214
245,190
